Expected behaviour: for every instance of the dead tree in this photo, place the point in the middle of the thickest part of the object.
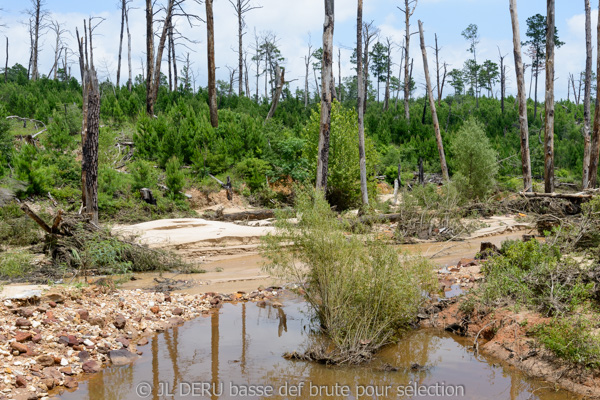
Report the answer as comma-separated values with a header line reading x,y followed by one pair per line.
x,y
59,31
123,12
210,48
587,96
340,73
6,63
307,59
409,9
91,127
436,124
595,150
549,124
153,70
37,15
130,80
241,7
502,80
326,98
359,106
280,77
386,98
369,32
525,158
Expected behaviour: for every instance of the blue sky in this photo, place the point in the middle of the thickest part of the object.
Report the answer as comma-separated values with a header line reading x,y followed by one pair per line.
x,y
294,20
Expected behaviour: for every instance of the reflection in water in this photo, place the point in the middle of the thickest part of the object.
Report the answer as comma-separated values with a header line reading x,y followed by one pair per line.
x,y
207,353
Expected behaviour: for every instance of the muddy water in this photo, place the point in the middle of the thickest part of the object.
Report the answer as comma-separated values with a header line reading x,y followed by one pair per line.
x,y
236,352
232,273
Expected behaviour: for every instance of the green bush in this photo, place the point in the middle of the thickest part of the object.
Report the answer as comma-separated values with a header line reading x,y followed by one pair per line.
x,y
254,172
15,264
16,228
144,175
175,177
474,160
361,290
343,181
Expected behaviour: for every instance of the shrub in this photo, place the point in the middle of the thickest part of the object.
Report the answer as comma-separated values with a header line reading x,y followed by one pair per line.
x,y
474,160
343,187
175,177
15,264
17,229
362,292
254,172
144,175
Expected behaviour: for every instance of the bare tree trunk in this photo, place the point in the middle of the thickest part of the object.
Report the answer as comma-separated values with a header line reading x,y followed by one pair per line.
x,y
210,41
149,57
37,4
437,70
587,95
169,64
89,164
317,83
386,97
595,151
280,77
340,73
525,160
6,63
369,33
359,106
407,14
326,77
173,57
502,81
123,8
240,34
130,81
160,49
246,74
306,64
549,125
436,124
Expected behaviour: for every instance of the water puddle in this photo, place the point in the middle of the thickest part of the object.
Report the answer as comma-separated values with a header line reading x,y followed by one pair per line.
x,y
236,352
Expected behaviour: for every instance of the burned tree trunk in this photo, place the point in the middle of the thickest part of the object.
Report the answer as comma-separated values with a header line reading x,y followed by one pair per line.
x,y
123,7
326,98
130,80
359,107
549,125
149,57
502,81
409,9
280,77
587,97
306,64
595,150
6,63
525,159
210,48
436,124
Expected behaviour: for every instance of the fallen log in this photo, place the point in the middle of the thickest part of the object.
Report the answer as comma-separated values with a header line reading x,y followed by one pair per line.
x,y
569,196
253,215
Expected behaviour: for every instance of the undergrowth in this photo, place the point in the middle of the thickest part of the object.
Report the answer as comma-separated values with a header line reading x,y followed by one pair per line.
x,y
362,291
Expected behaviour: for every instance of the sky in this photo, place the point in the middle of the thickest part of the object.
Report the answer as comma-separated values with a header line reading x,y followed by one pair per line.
x,y
298,22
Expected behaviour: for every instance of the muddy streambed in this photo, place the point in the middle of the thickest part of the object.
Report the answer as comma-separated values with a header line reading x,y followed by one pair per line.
x,y
236,352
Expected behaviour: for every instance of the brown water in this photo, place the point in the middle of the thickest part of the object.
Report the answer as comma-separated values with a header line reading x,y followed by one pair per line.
x,y
241,345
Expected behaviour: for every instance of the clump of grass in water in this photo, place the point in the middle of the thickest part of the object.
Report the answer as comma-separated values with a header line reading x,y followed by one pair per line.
x,y
361,291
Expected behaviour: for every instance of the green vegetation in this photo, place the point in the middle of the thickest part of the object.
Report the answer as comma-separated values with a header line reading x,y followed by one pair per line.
x,y
15,264
361,290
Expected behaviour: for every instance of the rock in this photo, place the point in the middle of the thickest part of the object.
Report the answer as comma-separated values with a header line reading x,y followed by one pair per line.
x,y
64,362
37,338
83,355
23,336
54,298
177,311
143,341
27,296
176,321
97,321
261,304
276,304
52,304
83,314
20,347
124,341
21,382
49,382
119,321
66,370
45,360
22,323
91,366
25,312
49,314
88,343
122,357
155,309
70,382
